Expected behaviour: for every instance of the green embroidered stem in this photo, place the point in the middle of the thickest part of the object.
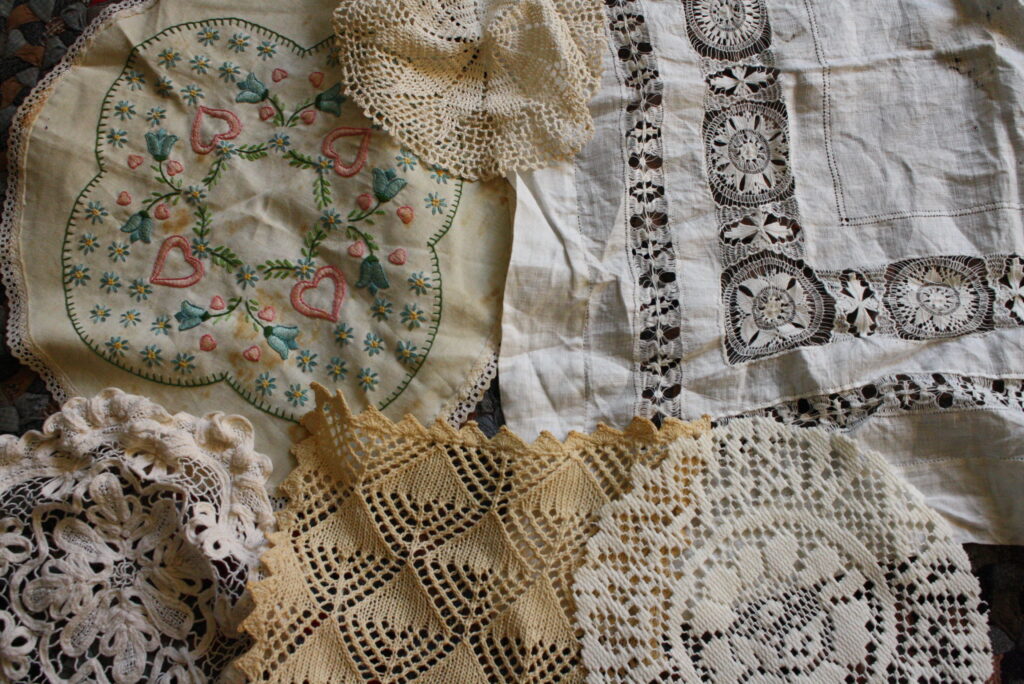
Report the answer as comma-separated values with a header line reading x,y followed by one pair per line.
x,y
293,120
159,167
277,269
159,198
232,305
216,169
279,115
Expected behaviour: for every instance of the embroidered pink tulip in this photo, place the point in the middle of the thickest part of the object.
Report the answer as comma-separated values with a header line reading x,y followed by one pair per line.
x,y
162,211
134,161
278,75
308,116
267,314
398,257
316,78
207,343
123,198
266,113
405,213
217,303
365,201
253,354
174,167
357,249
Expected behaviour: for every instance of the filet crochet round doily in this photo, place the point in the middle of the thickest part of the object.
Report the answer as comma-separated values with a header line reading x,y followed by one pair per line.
x,y
127,536
792,556
433,554
480,87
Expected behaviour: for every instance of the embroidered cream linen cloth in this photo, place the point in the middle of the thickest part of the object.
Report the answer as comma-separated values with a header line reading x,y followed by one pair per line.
x,y
809,210
199,215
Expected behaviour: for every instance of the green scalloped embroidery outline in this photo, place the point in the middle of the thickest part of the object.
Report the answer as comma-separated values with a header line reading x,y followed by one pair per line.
x,y
225,376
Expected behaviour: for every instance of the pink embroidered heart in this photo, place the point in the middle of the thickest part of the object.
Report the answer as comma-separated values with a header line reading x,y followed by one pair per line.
x,y
316,78
266,113
365,201
225,115
340,168
357,249
207,343
340,288
162,211
278,75
253,354
174,167
134,161
267,314
176,242
308,116
405,213
217,303
123,198
398,257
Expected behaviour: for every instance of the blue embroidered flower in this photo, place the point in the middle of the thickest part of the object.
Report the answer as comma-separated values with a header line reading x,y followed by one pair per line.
x,y
117,137
229,72
381,309
251,90
192,94
373,344
279,142
119,251
124,110
139,226
330,100
331,219
343,335
110,282
246,277
88,243
281,338
199,64
161,325
225,149
372,276
99,313
323,164
336,369
435,203
387,184
151,355
168,58
238,42
190,315
266,384
306,360
304,268
367,380
194,194
413,316
266,49
297,395
207,36
406,353
140,290
406,160
164,86
183,363
135,80
117,346
440,175
78,275
130,318
155,116
159,144
95,212
201,248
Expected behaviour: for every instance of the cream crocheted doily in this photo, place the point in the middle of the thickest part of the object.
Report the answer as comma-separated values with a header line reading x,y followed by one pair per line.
x,y
479,87
429,553
759,552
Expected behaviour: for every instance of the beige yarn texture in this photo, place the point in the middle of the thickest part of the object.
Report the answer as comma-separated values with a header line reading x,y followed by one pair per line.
x,y
759,552
429,553
480,87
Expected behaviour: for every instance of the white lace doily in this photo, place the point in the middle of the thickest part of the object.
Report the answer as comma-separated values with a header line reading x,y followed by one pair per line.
x,y
127,536
764,553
